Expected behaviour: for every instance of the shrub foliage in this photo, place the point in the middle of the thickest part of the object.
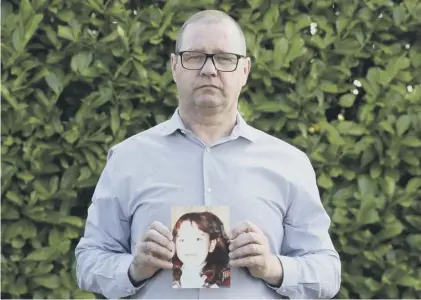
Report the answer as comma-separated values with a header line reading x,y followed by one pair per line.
x,y
340,79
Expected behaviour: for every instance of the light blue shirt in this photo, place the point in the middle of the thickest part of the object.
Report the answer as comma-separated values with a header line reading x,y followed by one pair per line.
x,y
261,178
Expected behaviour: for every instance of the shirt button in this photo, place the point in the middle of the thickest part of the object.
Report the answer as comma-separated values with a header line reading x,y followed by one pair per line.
x,y
209,190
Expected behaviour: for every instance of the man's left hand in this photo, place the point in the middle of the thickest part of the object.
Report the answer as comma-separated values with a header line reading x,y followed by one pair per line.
x,y
249,248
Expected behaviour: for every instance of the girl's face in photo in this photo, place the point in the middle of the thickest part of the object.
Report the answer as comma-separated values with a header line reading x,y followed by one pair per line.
x,y
192,244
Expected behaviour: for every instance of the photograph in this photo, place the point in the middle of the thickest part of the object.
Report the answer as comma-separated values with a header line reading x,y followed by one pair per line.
x,y
201,247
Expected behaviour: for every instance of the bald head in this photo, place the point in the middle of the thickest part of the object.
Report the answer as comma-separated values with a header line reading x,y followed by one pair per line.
x,y
210,17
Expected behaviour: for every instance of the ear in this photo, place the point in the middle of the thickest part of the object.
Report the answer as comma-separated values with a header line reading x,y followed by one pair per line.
x,y
246,67
173,65
212,245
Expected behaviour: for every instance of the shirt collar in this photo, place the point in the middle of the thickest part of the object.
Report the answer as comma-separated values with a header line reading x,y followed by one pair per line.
x,y
241,128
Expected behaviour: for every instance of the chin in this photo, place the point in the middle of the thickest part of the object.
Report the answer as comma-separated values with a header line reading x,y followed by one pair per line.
x,y
208,101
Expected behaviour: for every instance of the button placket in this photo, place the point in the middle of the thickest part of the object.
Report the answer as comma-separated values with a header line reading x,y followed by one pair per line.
x,y
207,185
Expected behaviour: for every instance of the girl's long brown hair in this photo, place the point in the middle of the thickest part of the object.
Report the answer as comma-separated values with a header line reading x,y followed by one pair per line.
x,y
216,268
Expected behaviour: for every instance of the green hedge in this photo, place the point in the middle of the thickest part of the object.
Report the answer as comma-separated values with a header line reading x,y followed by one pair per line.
x,y
339,79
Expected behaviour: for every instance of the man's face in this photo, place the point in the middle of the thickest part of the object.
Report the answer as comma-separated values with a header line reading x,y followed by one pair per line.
x,y
192,244
209,88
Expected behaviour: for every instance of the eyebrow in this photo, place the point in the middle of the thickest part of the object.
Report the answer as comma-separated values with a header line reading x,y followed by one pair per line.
x,y
217,50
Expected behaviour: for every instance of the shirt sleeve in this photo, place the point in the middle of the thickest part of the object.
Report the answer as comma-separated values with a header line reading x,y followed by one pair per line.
x,y
311,265
103,255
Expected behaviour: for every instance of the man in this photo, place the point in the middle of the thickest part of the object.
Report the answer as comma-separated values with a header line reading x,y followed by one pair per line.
x,y
206,154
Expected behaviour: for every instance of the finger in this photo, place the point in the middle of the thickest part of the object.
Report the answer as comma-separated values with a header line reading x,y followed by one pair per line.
x,y
156,237
158,226
155,262
247,262
152,248
245,239
245,226
247,250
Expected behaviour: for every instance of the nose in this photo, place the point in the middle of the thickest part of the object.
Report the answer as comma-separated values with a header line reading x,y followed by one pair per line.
x,y
209,68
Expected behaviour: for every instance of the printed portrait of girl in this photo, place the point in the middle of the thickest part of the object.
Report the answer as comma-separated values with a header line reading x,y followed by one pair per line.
x,y
201,252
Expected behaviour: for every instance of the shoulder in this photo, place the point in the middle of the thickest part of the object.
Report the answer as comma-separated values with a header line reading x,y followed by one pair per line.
x,y
276,147
138,144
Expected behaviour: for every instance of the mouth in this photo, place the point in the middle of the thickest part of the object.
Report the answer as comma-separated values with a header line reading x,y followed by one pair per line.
x,y
208,86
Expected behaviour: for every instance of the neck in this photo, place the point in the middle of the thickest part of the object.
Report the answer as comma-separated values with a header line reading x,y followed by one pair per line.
x,y
210,125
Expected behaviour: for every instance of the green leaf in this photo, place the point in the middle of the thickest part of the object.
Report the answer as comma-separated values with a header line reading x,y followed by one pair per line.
x,y
48,281
90,158
409,281
25,10
411,141
270,18
387,127
69,177
72,220
296,49
341,22
332,134
415,221
402,124
123,37
81,61
31,27
390,186
373,285
347,100
399,15
54,82
340,216
369,216
390,231
8,212
42,254
366,185
415,57
351,128
280,51
66,280
414,240
375,171
348,46
40,188
14,198
43,268
329,87
273,107
324,181
115,120
255,3
80,294
54,237
72,135
17,40
65,32
413,185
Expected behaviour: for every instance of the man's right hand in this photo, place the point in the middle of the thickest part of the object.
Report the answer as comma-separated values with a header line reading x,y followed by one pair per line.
x,y
153,252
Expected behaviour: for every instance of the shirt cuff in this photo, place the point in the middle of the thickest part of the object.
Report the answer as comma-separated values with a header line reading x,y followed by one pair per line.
x,y
122,276
290,269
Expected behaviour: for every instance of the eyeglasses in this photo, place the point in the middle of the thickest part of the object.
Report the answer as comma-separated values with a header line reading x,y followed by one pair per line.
x,y
224,62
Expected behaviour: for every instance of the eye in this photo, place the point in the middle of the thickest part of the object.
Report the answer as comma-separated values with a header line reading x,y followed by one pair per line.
x,y
199,239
